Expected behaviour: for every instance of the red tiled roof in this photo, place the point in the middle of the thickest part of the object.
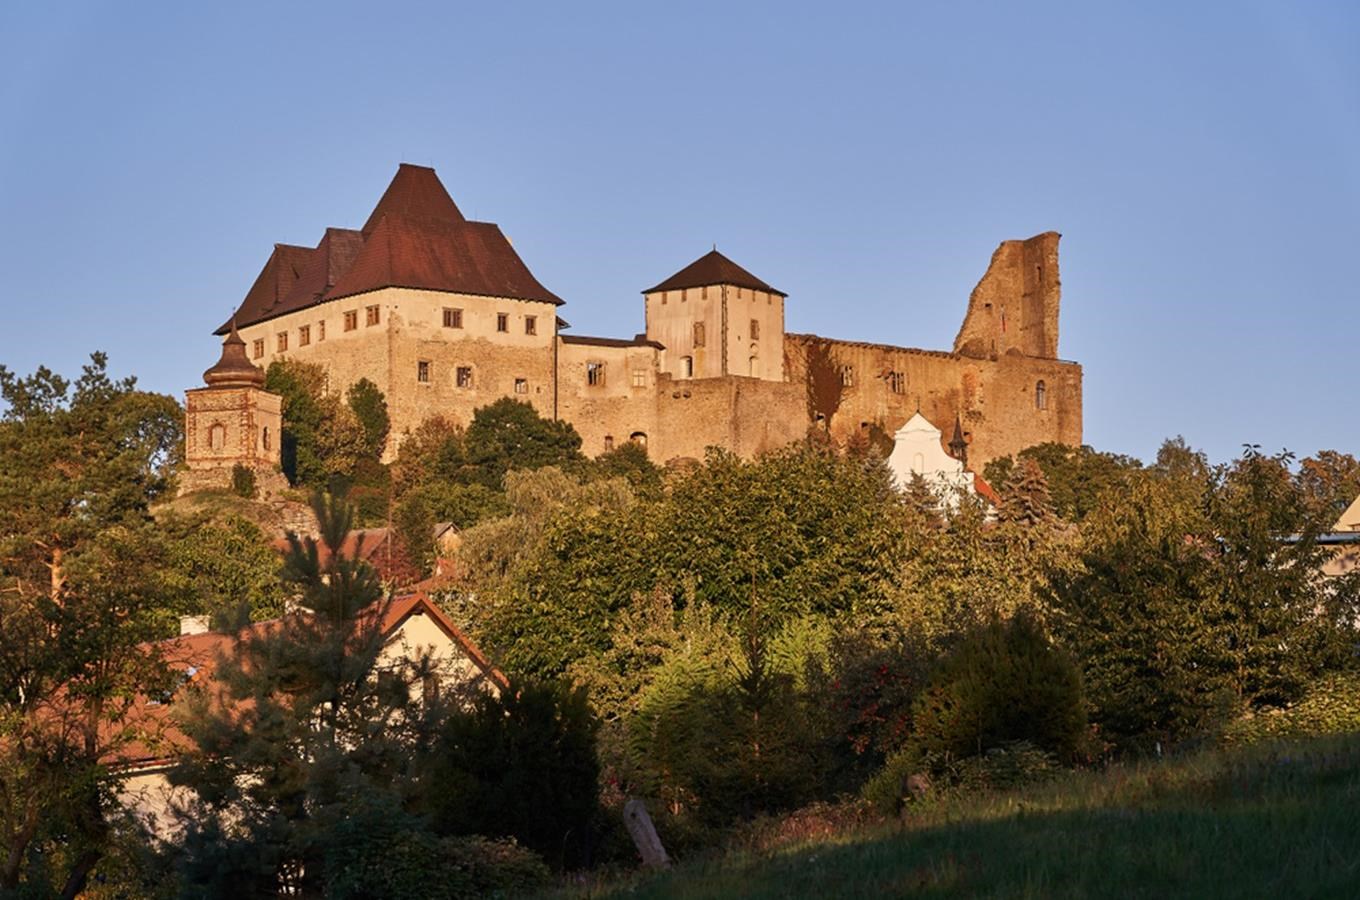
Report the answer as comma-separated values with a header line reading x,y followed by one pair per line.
x,y
713,268
416,237
271,286
986,491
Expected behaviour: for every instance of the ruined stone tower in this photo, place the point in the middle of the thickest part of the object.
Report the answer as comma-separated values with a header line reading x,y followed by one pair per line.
x,y
1015,305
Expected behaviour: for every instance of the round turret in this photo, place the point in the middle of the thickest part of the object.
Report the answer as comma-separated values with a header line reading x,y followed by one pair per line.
x,y
234,369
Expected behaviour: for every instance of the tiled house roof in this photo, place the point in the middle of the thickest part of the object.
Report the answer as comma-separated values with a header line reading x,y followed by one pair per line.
x,y
709,269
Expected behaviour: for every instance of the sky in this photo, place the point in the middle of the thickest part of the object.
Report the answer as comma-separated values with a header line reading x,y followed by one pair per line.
x,y
1202,161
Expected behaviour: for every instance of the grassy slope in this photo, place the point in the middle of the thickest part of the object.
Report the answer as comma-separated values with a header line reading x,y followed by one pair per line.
x,y
1282,821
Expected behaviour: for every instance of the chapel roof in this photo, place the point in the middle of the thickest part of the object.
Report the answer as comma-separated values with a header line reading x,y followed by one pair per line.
x,y
416,237
709,269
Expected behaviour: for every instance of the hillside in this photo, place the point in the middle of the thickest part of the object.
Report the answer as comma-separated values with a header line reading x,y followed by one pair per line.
x,y
1271,821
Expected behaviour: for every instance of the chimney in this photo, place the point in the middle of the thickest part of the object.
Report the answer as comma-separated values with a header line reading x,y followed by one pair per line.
x,y
193,625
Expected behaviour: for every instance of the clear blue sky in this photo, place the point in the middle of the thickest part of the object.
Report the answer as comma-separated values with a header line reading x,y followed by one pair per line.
x,y
1201,160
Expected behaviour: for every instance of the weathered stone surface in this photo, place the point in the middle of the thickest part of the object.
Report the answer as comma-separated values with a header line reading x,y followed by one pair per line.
x,y
1015,305
644,835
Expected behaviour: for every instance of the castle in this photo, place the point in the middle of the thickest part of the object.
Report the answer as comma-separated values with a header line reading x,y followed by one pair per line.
x,y
444,317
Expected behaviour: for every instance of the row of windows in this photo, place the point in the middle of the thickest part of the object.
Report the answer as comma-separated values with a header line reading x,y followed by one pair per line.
x,y
372,316
217,437
637,437
453,318
699,334
462,376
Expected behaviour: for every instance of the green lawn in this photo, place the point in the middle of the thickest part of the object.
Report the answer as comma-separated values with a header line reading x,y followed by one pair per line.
x,y
1277,821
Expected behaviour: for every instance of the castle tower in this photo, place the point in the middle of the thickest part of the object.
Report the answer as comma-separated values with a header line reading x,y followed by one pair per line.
x,y
233,421
1014,308
714,319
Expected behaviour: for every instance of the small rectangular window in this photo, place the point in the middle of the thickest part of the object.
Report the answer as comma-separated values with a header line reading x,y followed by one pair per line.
x,y
351,320
423,371
639,378
371,315
608,442
755,329
848,376
595,374
698,334
281,341
304,335
502,322
453,318
258,347
897,381
321,331
531,325
521,385
686,367
464,377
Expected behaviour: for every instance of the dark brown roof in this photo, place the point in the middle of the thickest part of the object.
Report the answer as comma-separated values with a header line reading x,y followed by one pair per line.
x,y
638,341
274,282
233,369
463,258
415,238
416,193
713,268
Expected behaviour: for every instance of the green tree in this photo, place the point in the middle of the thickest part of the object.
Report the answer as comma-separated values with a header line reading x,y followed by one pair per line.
x,y
519,764
226,570
370,407
303,732
509,435
1330,482
1077,477
80,589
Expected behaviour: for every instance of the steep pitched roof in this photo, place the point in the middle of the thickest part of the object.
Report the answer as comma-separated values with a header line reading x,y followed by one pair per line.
x,y
713,268
415,194
462,258
416,237
271,286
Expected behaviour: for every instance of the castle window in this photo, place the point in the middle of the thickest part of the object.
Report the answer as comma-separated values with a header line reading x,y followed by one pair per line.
x,y
755,329
698,334
639,378
217,437
502,322
371,315
258,348
463,377
281,341
897,382
595,374
1040,395
453,318
423,371
351,320
321,331
531,325
752,366
264,438
704,292
521,385
639,438
848,376
608,442
304,335
686,367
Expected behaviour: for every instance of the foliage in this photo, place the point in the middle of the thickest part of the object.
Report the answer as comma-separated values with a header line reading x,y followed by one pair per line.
x,y
370,409
300,728
519,764
1004,682
322,435
1330,482
1076,477
509,435
79,589
1011,765
825,384
628,461
243,481
1331,706
226,570
1024,495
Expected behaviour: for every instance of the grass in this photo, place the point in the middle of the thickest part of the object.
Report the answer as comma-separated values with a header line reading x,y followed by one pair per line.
x,y
1273,821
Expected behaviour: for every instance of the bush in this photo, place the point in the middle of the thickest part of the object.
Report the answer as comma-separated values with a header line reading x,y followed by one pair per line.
x,y
521,765
1004,682
243,481
1330,707
1003,768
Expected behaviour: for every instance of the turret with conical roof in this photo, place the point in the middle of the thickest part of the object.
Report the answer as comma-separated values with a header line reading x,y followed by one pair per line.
x,y
233,369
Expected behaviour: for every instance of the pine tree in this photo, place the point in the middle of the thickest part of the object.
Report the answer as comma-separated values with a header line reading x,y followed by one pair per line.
x,y
1024,497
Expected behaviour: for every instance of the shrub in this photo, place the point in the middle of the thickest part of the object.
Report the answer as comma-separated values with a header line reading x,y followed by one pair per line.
x,y
1330,707
1002,768
243,481
521,765
1004,682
